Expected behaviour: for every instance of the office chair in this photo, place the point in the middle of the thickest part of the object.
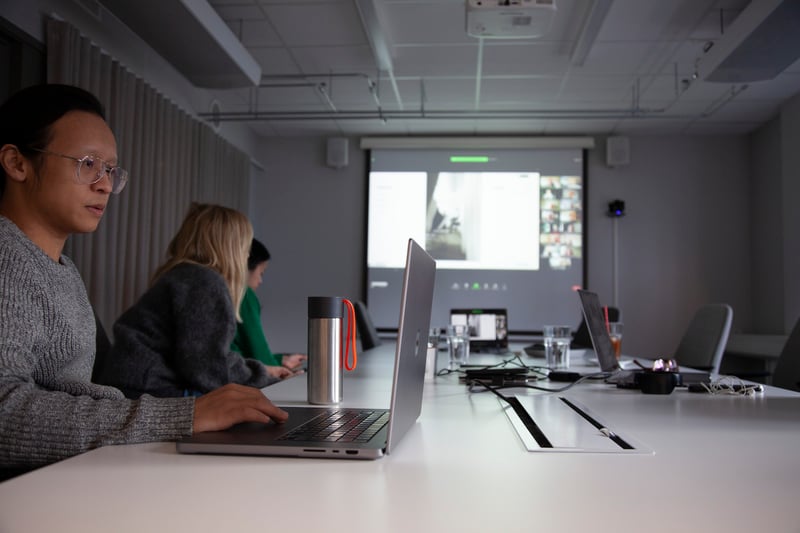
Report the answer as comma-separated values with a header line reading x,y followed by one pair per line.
x,y
703,343
787,370
581,338
366,329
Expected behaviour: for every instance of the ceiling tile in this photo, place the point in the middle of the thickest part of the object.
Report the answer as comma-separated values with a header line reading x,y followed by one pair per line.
x,y
439,60
426,23
523,58
646,53
274,61
335,58
255,33
318,24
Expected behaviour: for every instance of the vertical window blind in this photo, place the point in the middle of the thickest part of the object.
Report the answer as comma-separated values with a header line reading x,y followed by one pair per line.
x,y
172,157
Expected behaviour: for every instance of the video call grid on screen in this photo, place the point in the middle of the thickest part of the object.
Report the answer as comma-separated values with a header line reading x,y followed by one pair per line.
x,y
505,228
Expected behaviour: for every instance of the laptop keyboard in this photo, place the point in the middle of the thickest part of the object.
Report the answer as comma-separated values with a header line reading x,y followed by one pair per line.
x,y
348,425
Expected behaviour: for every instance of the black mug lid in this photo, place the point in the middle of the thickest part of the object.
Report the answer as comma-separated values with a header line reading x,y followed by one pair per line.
x,y
324,307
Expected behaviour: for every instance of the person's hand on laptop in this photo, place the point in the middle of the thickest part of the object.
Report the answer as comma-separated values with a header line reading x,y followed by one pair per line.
x,y
233,404
294,361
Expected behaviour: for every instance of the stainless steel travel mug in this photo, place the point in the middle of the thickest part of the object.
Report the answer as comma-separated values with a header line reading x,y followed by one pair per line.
x,y
324,350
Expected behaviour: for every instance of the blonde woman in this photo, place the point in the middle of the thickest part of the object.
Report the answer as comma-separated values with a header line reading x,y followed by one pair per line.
x,y
175,341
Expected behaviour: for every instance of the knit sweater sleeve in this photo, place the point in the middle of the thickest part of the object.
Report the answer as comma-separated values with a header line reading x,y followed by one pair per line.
x,y
204,322
177,337
250,340
49,409
39,426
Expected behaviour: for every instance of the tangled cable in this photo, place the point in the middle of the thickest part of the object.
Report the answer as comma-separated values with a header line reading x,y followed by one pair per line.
x,y
732,385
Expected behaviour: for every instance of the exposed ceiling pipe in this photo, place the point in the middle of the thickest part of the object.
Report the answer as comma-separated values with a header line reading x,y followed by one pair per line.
x,y
718,104
373,90
423,113
292,84
590,114
323,90
422,96
723,100
314,75
372,86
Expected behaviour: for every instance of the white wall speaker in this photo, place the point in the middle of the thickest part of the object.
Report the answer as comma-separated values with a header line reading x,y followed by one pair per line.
x,y
337,152
618,151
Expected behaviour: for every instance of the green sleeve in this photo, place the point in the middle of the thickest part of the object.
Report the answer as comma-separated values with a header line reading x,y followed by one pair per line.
x,y
249,339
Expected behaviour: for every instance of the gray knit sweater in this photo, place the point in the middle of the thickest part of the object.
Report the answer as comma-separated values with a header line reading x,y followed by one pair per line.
x,y
49,409
177,338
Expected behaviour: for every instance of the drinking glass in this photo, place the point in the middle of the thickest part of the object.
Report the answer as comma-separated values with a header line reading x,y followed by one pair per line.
x,y
556,346
458,344
615,334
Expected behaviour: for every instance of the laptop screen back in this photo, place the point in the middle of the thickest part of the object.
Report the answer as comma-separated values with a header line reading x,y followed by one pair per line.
x,y
412,342
598,332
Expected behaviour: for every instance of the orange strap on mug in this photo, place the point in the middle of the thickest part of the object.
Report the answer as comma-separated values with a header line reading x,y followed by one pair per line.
x,y
351,334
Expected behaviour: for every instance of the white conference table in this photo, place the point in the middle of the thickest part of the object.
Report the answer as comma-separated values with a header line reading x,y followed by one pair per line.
x,y
721,463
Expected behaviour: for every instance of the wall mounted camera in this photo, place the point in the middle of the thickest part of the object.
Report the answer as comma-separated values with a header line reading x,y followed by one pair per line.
x,y
616,208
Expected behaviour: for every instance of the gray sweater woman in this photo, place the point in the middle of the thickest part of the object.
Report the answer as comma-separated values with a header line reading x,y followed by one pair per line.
x,y
176,339
49,409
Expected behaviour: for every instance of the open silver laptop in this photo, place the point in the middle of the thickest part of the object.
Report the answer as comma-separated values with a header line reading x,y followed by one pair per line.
x,y
598,331
488,328
297,436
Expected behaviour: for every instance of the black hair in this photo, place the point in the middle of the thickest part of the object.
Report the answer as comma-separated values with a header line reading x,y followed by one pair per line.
x,y
258,254
27,116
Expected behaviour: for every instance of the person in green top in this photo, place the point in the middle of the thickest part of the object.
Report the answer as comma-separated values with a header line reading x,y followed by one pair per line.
x,y
250,340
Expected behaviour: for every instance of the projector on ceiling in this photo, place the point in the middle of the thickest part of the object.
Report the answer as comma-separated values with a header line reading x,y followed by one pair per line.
x,y
509,19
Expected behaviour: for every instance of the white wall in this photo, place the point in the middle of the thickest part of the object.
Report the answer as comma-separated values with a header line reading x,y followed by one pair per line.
x,y
685,241
776,221
312,218
767,229
790,180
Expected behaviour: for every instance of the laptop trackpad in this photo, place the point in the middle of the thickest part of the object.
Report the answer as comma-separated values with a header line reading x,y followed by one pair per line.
x,y
256,433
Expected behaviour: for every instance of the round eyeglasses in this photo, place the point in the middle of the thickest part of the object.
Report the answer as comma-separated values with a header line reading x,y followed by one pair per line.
x,y
91,169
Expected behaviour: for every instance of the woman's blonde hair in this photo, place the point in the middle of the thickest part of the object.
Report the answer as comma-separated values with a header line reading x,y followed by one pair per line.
x,y
216,237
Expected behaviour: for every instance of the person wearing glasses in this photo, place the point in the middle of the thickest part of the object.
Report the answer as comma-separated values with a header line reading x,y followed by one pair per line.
x,y
250,340
58,166
176,340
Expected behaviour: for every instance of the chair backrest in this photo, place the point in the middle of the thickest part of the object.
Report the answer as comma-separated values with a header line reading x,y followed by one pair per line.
x,y
703,343
581,338
787,370
366,329
102,347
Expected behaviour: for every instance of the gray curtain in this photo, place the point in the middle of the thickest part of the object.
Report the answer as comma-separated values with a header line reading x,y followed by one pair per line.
x,y
173,159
